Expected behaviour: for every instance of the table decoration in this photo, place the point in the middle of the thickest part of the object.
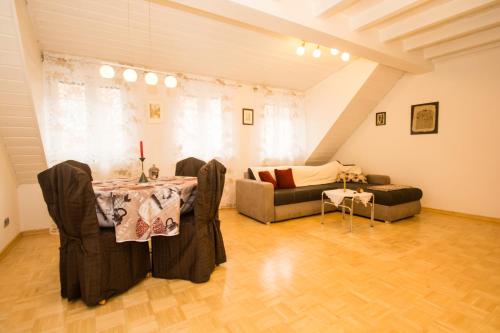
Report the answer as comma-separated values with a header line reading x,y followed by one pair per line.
x,y
143,178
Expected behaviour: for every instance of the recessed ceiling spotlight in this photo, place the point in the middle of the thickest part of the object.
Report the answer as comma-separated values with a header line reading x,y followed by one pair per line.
x,y
130,75
317,52
345,56
170,81
107,71
334,51
151,78
301,49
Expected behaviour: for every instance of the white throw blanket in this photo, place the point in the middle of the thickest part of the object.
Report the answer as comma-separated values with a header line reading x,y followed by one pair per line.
x,y
338,195
306,175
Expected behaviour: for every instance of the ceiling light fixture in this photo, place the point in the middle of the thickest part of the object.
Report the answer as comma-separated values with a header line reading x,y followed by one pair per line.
x,y
345,56
130,75
170,81
334,51
107,71
317,52
151,78
301,49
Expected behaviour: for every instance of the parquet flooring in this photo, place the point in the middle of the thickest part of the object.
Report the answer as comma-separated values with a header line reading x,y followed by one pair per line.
x,y
430,273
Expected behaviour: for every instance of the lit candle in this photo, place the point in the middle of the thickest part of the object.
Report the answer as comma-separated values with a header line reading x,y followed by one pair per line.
x,y
142,150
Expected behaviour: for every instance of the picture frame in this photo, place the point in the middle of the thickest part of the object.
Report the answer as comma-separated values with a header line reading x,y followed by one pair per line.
x,y
247,116
380,118
154,112
424,118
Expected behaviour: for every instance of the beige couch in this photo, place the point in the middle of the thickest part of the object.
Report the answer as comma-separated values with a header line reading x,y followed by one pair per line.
x,y
261,202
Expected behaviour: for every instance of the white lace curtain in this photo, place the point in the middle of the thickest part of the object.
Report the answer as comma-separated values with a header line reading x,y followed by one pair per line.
x,y
87,119
283,138
100,122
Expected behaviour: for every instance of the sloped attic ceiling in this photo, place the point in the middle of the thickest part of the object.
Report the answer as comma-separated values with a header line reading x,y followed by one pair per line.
x,y
181,41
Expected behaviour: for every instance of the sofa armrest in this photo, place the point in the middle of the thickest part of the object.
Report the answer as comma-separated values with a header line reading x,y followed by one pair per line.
x,y
378,179
255,199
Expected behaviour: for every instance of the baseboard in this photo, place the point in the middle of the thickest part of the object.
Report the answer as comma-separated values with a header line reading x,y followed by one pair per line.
x,y
35,232
9,246
458,214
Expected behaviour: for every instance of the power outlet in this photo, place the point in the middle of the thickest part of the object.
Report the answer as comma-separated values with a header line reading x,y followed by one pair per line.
x,y
6,222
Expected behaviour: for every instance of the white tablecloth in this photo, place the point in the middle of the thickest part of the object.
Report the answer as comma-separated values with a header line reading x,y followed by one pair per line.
x,y
338,195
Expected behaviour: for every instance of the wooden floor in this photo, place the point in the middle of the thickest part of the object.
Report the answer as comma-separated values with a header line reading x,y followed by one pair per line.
x,y
431,273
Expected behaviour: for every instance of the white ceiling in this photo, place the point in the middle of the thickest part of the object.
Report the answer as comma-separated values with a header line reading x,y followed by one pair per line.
x,y
432,28
18,123
182,41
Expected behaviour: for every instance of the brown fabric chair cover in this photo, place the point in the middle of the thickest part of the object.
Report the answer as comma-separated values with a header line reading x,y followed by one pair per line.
x,y
92,265
188,167
199,247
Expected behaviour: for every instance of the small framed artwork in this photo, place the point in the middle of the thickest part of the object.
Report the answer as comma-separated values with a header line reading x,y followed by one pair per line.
x,y
247,116
424,118
380,118
155,112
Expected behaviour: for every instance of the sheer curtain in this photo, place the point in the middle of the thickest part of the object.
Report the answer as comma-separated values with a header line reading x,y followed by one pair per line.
x,y
204,127
283,129
87,119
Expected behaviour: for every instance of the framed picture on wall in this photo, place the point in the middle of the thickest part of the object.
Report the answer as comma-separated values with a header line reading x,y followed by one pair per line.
x,y
247,116
155,112
380,118
424,118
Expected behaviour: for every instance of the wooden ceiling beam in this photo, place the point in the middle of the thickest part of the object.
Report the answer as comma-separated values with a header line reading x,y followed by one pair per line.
x,y
382,12
432,17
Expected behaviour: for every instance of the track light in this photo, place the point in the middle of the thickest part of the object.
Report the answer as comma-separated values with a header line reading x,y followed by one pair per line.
x,y
107,71
345,56
301,49
334,51
130,75
170,81
317,52
151,78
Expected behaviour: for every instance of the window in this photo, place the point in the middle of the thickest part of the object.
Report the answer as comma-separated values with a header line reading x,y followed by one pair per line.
x,y
204,130
281,135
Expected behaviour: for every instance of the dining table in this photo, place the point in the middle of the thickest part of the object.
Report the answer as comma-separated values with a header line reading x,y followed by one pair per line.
x,y
139,211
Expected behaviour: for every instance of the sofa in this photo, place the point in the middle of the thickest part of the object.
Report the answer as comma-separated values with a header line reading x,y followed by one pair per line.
x,y
260,201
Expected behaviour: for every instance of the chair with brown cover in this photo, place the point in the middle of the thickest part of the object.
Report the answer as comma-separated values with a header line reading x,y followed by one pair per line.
x,y
92,266
188,167
199,247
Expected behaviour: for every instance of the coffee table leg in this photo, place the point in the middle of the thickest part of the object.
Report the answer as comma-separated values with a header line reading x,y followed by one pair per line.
x,y
322,208
352,212
373,211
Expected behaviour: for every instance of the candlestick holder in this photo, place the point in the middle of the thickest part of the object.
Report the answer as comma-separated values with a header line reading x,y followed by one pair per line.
x,y
143,178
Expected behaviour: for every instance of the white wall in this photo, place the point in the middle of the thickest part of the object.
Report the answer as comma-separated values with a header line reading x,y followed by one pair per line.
x,y
8,200
458,168
328,99
33,212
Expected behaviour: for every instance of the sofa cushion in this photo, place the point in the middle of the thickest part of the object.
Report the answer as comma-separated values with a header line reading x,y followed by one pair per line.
x,y
313,192
284,178
265,176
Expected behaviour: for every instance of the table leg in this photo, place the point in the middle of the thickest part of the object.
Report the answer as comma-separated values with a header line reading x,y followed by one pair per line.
x,y
322,209
343,208
373,211
352,211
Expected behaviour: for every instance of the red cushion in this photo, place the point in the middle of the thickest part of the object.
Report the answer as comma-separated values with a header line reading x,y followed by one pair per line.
x,y
284,178
265,176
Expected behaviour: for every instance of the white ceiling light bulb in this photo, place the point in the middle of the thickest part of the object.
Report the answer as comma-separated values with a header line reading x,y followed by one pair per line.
x,y
317,52
107,71
170,81
151,78
130,75
334,51
345,56
301,49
